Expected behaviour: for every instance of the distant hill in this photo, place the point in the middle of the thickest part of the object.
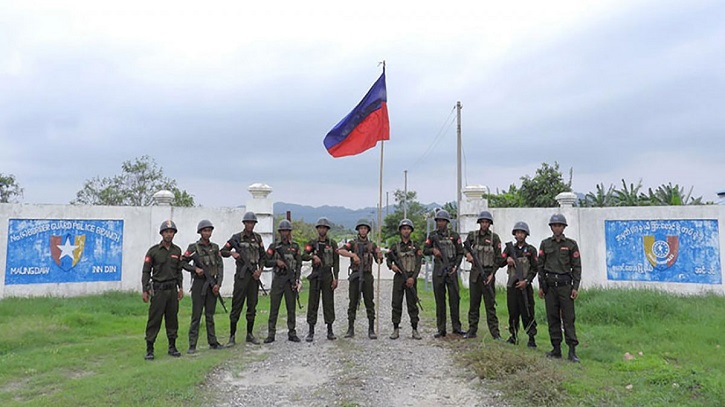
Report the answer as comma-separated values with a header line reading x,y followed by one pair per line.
x,y
336,214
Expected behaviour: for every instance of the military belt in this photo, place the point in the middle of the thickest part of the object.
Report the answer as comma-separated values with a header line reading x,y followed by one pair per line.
x,y
163,286
558,280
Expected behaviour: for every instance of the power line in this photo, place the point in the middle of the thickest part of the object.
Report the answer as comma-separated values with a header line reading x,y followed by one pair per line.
x,y
439,136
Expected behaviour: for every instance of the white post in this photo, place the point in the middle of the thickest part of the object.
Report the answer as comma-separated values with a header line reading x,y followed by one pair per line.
x,y
467,216
263,207
566,199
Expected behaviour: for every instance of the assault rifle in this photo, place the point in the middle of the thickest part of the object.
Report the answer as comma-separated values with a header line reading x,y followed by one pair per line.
x,y
318,269
290,274
519,277
360,251
410,290
446,262
478,266
245,263
211,281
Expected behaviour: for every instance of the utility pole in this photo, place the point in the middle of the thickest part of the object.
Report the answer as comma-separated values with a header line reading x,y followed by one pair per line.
x,y
460,148
405,196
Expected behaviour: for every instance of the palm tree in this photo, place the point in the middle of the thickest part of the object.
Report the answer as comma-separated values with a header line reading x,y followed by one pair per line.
x,y
630,196
601,198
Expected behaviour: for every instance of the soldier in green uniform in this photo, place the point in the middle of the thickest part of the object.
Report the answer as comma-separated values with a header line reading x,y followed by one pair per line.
x,y
323,279
445,246
286,261
487,247
162,283
247,248
560,271
368,253
519,293
409,256
205,256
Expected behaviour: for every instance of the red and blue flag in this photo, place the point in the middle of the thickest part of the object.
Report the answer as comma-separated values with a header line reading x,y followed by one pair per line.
x,y
364,126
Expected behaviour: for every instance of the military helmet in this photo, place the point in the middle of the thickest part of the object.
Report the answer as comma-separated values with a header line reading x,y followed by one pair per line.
x,y
521,226
557,219
406,222
284,225
323,221
168,224
485,215
443,214
249,217
363,222
204,223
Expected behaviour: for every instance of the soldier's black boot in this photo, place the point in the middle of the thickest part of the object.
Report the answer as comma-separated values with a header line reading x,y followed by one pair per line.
x,y
149,351
310,334
330,335
232,331
371,330
293,337
472,333
532,342
350,329
572,354
192,349
555,352
250,336
232,341
172,348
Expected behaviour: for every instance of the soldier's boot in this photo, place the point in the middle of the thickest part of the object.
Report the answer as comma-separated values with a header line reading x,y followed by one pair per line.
x,y
269,338
472,333
232,341
292,337
330,335
310,334
415,334
192,349
149,351
572,354
396,332
250,336
232,332
371,330
350,329
555,352
172,348
512,340
532,342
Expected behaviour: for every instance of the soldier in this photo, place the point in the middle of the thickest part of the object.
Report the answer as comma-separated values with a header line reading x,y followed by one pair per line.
x,y
362,252
487,247
162,283
409,256
285,259
207,274
323,279
560,272
519,294
247,248
445,246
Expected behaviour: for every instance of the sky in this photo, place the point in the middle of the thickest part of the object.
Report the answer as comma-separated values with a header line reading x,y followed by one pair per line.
x,y
223,94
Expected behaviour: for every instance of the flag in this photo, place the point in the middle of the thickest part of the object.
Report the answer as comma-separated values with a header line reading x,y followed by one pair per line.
x,y
362,128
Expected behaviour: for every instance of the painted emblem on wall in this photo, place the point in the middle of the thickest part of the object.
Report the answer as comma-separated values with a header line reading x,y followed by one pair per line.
x,y
661,253
67,255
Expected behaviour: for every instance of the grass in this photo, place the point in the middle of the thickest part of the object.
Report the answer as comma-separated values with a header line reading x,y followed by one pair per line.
x,y
675,342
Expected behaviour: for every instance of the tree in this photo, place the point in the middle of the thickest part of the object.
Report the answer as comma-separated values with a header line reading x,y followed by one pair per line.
x,y
139,180
630,196
601,198
672,195
10,190
416,213
537,192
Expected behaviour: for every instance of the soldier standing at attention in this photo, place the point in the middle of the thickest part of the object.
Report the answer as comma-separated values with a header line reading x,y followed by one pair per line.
x,y
247,248
323,279
285,259
445,246
519,294
486,246
204,291
560,271
369,252
162,283
409,255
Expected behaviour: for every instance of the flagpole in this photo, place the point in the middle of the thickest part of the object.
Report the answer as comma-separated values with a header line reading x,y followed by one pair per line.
x,y
380,221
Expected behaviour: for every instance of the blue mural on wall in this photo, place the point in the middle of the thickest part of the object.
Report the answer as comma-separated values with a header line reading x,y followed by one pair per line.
x,y
674,251
63,251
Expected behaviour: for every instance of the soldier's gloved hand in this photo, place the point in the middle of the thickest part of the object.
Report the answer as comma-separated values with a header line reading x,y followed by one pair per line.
x,y
145,296
409,282
395,268
469,257
281,264
316,260
199,271
510,261
215,290
180,295
436,252
334,283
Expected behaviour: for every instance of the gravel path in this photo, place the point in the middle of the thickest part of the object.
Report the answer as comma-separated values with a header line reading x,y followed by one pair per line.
x,y
350,372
